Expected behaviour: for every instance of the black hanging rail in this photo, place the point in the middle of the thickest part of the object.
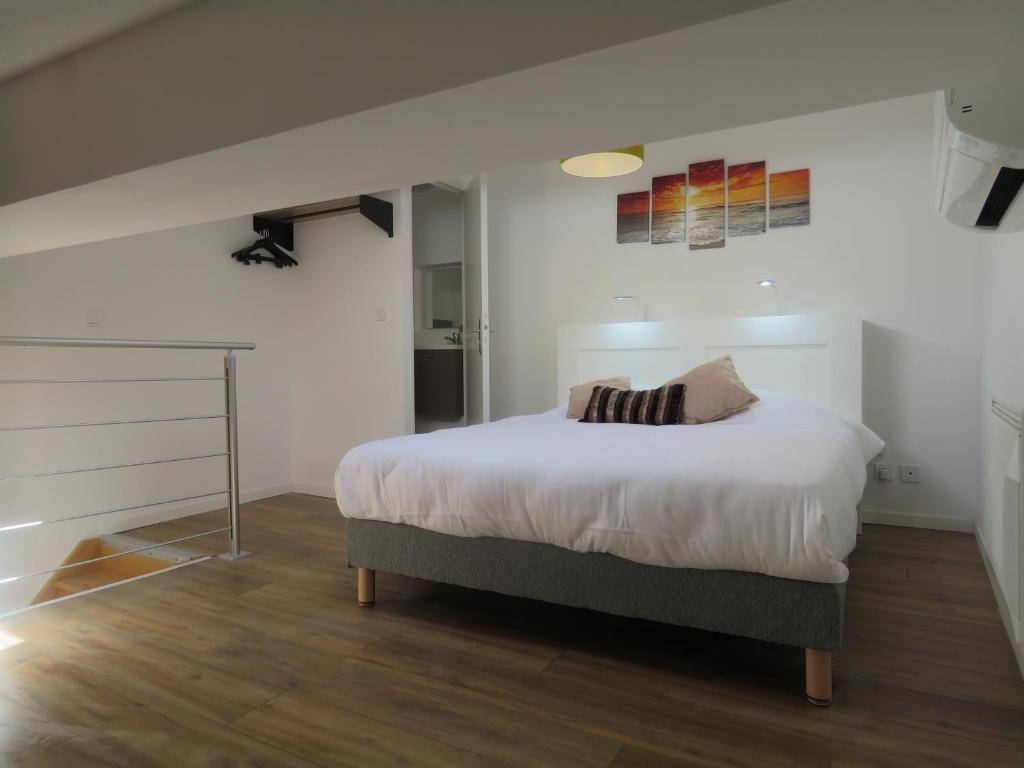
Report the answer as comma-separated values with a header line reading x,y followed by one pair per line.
x,y
277,231
378,211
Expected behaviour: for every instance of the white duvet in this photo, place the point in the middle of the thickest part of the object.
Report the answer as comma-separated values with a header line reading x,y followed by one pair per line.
x,y
773,490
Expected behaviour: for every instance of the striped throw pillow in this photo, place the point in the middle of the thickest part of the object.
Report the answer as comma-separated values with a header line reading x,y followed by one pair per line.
x,y
629,406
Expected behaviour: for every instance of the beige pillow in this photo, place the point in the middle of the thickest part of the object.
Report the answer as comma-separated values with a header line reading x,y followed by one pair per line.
x,y
579,395
714,391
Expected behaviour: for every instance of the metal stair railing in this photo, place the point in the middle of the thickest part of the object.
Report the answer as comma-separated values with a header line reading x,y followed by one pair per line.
x,y
230,417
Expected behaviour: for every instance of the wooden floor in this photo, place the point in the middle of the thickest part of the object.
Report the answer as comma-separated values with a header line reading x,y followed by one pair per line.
x,y
269,661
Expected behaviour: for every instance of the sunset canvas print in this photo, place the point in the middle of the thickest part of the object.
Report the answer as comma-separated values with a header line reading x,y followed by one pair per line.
x,y
789,201
668,208
632,223
705,209
747,199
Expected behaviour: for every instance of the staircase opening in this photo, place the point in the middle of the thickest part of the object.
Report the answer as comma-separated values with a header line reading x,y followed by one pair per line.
x,y
116,558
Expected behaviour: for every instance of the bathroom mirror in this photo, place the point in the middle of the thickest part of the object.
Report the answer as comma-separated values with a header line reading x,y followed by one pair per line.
x,y
442,293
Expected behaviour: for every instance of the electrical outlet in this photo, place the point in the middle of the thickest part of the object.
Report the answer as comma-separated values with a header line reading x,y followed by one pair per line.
x,y
883,471
910,473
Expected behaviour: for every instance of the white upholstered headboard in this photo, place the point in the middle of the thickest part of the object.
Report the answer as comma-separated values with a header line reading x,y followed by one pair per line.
x,y
814,357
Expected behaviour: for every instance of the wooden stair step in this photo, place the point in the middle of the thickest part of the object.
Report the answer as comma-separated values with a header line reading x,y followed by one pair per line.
x,y
81,582
110,571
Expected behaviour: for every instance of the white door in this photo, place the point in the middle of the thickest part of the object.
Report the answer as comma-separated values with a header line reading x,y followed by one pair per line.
x,y
477,339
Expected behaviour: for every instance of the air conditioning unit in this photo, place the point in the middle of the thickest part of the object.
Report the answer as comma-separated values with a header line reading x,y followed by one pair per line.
x,y
981,157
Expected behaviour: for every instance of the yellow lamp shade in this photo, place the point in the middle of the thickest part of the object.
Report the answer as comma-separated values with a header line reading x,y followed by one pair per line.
x,y
614,162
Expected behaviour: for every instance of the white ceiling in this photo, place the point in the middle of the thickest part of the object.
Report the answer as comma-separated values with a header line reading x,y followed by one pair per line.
x,y
797,57
33,32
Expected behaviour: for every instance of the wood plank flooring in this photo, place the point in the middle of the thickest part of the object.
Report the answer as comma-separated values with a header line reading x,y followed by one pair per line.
x,y
269,662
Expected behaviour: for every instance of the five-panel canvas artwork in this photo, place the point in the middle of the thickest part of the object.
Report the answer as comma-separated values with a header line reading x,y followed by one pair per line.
x,y
712,201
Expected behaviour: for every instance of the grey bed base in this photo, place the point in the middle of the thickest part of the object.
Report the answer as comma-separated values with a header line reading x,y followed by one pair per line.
x,y
802,613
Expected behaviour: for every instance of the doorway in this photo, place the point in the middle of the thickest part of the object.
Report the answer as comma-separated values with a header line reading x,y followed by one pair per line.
x,y
451,329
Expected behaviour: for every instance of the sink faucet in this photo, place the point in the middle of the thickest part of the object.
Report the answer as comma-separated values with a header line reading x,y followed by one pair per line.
x,y
455,338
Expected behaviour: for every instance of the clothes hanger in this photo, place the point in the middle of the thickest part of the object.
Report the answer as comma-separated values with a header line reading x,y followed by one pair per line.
x,y
281,257
251,254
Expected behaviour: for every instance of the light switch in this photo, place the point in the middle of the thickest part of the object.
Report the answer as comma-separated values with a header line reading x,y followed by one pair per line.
x,y
94,316
382,313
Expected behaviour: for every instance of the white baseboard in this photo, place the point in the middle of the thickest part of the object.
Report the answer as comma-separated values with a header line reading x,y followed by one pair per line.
x,y
313,490
1004,608
912,520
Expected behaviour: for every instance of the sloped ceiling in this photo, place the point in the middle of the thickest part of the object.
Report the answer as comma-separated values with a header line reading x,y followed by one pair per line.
x,y
220,72
33,32
786,59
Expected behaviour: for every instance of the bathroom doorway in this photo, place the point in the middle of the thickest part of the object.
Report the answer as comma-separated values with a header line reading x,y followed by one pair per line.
x,y
438,306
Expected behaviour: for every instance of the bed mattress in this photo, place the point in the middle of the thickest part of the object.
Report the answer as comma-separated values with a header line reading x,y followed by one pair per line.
x,y
773,490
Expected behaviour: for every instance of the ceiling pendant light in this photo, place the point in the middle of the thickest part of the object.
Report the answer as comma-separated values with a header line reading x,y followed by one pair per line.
x,y
614,162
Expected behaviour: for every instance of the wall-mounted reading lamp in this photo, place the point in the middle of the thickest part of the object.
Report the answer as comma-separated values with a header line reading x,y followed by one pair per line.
x,y
643,307
778,301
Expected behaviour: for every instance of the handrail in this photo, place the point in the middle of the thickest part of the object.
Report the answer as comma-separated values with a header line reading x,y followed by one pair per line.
x,y
34,523
117,422
229,416
49,341
77,470
111,381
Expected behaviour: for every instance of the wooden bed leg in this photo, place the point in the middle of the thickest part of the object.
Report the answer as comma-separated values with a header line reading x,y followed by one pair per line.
x,y
367,585
819,676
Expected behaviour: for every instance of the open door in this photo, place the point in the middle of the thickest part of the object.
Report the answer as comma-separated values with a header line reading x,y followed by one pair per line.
x,y
477,339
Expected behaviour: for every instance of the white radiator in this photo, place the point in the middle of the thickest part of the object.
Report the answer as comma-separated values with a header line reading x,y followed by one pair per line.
x,y
1001,528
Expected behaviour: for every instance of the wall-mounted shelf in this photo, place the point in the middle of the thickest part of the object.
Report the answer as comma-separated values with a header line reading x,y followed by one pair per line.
x,y
380,212
277,228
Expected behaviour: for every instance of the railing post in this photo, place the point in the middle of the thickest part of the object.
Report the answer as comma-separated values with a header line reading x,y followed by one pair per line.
x,y
235,551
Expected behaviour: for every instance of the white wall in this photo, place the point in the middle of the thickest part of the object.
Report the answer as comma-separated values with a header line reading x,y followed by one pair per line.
x,y
875,246
1002,351
351,372
325,374
177,284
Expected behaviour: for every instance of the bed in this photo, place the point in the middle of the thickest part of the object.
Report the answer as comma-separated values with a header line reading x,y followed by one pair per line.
x,y
741,526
